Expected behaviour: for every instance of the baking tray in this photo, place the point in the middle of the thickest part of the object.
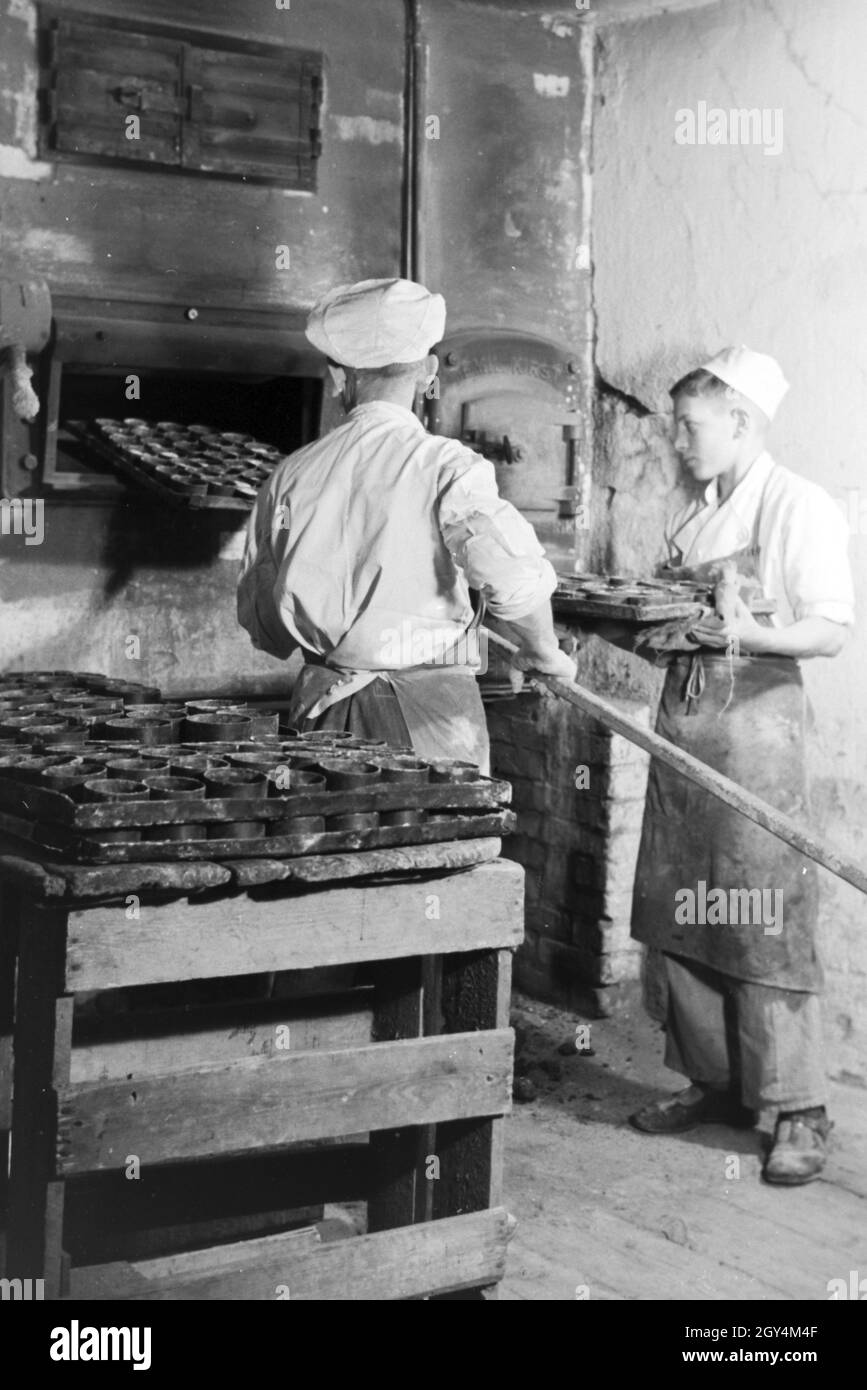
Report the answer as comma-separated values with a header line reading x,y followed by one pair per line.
x,y
167,494
42,816
60,841
44,804
118,459
639,600
54,822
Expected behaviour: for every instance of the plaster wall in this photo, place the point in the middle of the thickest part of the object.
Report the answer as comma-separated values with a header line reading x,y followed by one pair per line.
x,y
699,245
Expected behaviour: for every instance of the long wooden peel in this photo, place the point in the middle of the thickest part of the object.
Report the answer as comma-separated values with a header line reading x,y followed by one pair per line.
x,y
704,776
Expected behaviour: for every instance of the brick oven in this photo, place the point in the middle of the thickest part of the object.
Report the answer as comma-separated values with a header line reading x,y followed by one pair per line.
x,y
578,791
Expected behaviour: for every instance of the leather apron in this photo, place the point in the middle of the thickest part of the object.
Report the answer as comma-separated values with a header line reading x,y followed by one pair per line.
x,y
744,716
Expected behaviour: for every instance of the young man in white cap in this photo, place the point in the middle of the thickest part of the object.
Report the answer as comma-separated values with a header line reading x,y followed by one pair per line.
x,y
363,546
742,1013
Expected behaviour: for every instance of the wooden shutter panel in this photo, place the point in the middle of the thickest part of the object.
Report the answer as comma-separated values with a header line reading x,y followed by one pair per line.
x,y
239,110
99,76
252,113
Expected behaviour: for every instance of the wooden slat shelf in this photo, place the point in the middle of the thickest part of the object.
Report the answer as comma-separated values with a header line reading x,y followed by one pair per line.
x,y
265,1102
433,1258
479,910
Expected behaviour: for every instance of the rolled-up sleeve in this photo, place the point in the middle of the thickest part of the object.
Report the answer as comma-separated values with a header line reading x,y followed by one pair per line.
x,y
258,611
491,542
816,569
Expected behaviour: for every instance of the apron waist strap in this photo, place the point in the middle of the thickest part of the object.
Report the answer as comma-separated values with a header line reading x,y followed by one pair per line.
x,y
694,684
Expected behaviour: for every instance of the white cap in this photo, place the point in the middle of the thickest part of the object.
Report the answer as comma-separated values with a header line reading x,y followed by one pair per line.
x,y
757,376
377,322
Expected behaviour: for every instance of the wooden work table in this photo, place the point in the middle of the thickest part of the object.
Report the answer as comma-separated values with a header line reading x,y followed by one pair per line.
x,y
390,1092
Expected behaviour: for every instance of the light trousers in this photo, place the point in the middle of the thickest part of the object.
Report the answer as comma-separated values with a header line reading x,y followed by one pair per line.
x,y
763,1044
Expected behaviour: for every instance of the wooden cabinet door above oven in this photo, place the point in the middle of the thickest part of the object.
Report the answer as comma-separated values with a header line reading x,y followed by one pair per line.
x,y
114,90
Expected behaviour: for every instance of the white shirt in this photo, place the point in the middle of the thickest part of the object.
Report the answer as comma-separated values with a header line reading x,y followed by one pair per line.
x,y
376,532
801,533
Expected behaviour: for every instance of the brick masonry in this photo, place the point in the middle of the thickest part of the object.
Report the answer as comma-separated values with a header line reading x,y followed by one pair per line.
x,y
578,844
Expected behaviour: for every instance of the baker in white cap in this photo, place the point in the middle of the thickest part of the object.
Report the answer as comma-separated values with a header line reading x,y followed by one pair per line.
x,y
364,546
754,375
377,323
742,1019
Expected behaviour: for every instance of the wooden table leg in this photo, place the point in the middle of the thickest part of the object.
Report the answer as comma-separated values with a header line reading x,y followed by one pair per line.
x,y
476,990
399,1190
43,1040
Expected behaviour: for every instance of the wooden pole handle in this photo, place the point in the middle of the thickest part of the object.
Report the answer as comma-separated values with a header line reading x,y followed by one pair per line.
x,y
734,795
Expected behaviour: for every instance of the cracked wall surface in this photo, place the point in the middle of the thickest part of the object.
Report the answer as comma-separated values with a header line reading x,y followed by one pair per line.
x,y
699,245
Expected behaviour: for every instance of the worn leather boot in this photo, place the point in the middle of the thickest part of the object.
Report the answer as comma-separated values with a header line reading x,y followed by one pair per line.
x,y
697,1105
800,1149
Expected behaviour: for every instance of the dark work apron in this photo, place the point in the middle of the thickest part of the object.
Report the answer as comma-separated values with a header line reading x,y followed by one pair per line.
x,y
690,837
744,716
436,710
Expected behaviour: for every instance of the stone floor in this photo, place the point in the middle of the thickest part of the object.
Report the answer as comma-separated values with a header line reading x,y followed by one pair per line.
x,y
608,1213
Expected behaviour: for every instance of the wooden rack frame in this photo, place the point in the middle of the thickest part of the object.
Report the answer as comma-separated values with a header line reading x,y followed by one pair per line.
x,y
433,1080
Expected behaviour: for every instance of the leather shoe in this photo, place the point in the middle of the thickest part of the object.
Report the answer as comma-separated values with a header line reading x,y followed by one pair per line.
x,y
697,1105
800,1149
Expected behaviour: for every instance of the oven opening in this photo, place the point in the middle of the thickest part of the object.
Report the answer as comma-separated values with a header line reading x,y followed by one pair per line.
x,y
281,411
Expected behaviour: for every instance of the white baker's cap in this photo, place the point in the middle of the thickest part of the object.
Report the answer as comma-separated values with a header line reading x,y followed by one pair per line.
x,y
377,322
756,375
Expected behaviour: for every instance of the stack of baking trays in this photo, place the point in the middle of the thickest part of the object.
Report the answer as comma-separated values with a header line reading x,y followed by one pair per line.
x,y
97,771
187,465
639,600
